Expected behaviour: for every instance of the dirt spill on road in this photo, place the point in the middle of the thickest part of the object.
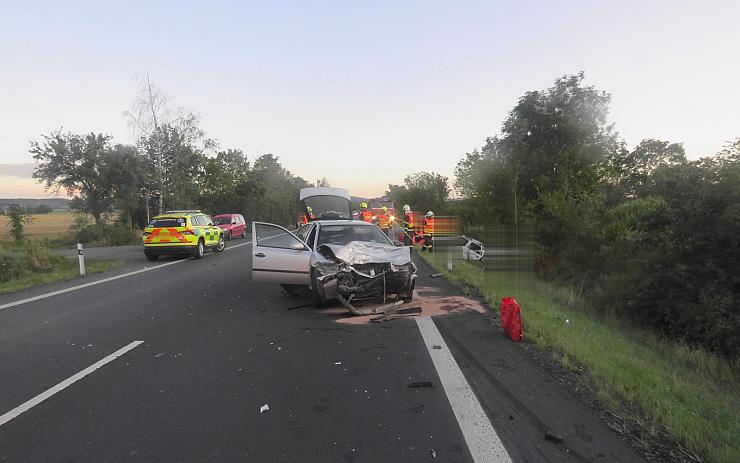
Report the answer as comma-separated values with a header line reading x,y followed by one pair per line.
x,y
427,297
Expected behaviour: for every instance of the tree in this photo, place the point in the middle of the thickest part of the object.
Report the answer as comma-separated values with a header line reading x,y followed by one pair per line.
x,y
126,173
172,140
423,191
16,221
632,170
76,163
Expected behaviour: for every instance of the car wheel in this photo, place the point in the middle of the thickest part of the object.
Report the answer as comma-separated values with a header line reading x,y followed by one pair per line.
x,y
152,257
409,294
221,244
244,233
199,250
228,236
318,299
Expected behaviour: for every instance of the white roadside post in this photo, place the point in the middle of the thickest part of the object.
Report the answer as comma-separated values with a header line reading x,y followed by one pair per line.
x,y
81,258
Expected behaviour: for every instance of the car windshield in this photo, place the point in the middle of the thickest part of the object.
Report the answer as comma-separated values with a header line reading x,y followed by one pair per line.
x,y
344,234
328,207
222,220
167,222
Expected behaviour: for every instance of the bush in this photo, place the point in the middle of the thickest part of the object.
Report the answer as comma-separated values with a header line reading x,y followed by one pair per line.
x,y
103,234
23,259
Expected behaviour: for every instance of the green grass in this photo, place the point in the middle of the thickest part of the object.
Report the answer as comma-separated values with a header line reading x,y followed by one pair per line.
x,y
65,269
693,394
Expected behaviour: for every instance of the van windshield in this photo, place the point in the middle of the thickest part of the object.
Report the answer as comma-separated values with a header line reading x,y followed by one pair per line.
x,y
222,220
327,207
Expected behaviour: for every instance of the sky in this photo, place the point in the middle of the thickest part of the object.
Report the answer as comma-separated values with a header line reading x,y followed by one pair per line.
x,y
363,93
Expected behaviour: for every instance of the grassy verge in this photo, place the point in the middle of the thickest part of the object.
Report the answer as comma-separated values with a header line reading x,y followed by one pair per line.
x,y
693,394
30,263
66,269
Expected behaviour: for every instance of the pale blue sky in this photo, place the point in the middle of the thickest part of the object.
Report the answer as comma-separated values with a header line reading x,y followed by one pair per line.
x,y
365,92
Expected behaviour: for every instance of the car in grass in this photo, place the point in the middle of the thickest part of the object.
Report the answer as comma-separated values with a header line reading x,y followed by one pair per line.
x,y
181,232
344,259
232,225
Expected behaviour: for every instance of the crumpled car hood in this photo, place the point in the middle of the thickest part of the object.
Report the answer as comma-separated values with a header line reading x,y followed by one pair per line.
x,y
364,252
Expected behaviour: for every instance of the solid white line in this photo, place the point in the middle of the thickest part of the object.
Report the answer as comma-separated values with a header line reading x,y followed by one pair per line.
x,y
97,282
483,442
64,384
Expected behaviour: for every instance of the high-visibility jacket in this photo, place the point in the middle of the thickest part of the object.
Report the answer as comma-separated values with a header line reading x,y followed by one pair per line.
x,y
429,225
304,220
366,216
408,221
384,221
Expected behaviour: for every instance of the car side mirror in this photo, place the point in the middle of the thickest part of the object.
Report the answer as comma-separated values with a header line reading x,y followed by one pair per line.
x,y
397,243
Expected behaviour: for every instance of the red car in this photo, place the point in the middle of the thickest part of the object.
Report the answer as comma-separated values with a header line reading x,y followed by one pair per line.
x,y
233,225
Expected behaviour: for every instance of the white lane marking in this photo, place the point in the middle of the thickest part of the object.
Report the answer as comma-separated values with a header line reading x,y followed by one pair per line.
x,y
483,442
64,384
97,282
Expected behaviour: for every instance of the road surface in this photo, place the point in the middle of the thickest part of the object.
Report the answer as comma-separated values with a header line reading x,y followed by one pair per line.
x,y
176,362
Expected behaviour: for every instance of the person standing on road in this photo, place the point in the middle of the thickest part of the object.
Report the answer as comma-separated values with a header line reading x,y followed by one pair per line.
x,y
384,221
408,225
365,214
428,231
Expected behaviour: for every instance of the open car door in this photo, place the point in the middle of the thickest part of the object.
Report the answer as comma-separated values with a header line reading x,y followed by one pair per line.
x,y
279,256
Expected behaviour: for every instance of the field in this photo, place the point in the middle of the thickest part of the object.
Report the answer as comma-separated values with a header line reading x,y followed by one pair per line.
x,y
53,226
693,394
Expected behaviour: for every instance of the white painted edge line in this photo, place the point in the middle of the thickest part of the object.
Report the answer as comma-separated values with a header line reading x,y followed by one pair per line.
x,y
97,282
483,442
66,383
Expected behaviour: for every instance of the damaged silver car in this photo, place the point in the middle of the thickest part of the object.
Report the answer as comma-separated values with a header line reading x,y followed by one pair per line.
x,y
348,260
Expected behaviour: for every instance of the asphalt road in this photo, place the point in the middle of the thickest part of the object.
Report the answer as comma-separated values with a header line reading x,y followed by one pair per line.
x,y
218,347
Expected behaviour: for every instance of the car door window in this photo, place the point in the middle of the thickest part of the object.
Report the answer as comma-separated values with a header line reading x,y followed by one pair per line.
x,y
302,232
311,237
271,236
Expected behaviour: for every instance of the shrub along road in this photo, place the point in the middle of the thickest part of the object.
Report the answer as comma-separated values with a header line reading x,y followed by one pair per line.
x,y
217,348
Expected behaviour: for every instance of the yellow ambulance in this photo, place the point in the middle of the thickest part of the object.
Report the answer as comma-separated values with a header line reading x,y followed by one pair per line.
x,y
181,232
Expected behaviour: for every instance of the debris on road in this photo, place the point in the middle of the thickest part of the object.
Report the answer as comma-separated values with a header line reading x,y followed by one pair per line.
x,y
433,453
302,306
553,437
160,355
436,347
437,275
396,313
264,408
367,310
337,363
418,384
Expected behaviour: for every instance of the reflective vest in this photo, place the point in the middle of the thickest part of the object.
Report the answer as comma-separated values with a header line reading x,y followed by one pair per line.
x,y
366,216
428,225
383,220
408,221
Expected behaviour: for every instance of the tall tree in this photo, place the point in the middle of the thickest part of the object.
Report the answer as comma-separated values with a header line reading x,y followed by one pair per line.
x,y
77,164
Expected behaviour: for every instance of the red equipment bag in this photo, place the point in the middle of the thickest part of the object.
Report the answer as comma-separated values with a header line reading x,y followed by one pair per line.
x,y
511,318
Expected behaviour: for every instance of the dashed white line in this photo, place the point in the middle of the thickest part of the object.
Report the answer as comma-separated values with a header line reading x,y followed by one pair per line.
x,y
101,281
65,384
483,442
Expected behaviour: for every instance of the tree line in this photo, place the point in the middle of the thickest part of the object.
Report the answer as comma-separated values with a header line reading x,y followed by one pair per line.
x,y
173,165
643,233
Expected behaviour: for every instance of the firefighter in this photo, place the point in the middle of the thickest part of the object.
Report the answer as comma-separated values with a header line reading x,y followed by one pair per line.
x,y
384,221
365,214
428,230
408,225
308,216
